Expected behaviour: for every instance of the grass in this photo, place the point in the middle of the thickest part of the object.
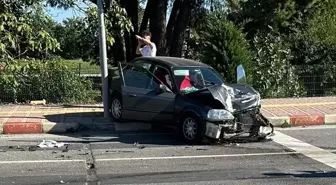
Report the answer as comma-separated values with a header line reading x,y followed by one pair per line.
x,y
76,65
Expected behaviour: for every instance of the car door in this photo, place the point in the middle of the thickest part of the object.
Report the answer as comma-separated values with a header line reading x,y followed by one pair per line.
x,y
159,105
140,94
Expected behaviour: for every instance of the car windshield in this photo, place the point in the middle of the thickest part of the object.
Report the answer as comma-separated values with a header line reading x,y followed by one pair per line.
x,y
190,79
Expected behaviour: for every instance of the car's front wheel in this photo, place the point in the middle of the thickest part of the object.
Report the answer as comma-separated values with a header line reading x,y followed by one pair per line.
x,y
192,128
116,108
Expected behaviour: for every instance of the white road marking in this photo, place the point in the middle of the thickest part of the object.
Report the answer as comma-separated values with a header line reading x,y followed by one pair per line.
x,y
41,161
197,156
324,156
311,152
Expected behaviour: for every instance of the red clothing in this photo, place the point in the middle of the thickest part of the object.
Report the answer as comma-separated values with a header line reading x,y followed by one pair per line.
x,y
185,83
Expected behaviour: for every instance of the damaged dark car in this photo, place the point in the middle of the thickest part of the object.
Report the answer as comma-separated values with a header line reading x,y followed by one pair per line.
x,y
189,95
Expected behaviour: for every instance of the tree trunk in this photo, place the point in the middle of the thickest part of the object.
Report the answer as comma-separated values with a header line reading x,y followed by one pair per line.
x,y
181,24
158,25
131,7
147,14
119,50
171,23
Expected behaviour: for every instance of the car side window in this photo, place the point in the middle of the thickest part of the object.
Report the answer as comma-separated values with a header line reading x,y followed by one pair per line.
x,y
138,77
164,77
144,64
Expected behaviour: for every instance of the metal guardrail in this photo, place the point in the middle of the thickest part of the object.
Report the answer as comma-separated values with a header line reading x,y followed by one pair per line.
x,y
90,75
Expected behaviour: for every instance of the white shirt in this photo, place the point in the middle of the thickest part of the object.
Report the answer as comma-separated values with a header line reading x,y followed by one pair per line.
x,y
147,50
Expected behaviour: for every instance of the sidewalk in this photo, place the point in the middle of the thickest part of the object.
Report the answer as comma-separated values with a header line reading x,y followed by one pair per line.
x,y
300,111
15,119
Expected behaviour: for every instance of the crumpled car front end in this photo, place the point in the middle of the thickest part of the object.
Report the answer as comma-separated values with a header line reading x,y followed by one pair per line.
x,y
240,114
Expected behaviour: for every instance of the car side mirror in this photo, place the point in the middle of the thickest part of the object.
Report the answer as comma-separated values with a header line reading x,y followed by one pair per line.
x,y
163,88
241,77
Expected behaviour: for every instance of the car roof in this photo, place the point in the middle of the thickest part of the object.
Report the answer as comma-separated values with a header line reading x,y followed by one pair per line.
x,y
173,61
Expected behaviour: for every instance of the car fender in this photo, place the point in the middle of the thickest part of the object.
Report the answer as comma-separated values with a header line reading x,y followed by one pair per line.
x,y
195,110
113,92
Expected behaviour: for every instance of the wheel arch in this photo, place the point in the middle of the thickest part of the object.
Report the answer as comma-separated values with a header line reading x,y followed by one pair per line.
x,y
112,94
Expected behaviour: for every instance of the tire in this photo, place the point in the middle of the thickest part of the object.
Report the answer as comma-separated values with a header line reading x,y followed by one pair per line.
x,y
116,108
191,129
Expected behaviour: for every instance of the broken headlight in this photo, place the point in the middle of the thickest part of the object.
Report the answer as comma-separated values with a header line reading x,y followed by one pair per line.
x,y
258,99
219,115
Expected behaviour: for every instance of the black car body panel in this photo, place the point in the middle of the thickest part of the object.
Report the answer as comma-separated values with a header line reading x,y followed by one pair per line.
x,y
152,104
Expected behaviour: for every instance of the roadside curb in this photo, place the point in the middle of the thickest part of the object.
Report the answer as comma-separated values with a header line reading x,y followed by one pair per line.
x,y
106,124
303,120
279,121
52,127
330,119
22,128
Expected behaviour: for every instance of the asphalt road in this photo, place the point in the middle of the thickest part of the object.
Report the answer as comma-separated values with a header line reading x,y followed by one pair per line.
x,y
295,156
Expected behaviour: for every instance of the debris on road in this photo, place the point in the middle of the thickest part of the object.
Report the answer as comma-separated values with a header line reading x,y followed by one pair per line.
x,y
84,153
32,148
201,149
62,157
66,149
20,149
38,102
138,145
90,166
286,125
51,144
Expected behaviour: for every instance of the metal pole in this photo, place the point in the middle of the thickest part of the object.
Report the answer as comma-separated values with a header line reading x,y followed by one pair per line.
x,y
103,58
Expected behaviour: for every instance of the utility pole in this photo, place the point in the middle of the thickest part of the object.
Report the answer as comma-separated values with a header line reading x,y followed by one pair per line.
x,y
103,58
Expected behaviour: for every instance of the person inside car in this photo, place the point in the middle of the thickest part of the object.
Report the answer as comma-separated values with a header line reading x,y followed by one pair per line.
x,y
190,82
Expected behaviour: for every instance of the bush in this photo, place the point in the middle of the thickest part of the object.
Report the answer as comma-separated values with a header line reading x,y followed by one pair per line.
x,y
52,81
273,75
222,45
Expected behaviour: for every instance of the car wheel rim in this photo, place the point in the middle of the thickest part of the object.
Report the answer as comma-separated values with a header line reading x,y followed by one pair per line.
x,y
116,108
189,128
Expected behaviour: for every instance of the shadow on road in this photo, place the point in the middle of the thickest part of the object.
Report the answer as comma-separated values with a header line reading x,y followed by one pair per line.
x,y
94,128
92,124
305,174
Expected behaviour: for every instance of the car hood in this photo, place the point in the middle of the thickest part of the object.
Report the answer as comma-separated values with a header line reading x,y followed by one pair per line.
x,y
235,97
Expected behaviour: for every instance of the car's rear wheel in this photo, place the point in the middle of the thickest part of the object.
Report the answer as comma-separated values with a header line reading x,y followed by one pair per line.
x,y
116,108
191,128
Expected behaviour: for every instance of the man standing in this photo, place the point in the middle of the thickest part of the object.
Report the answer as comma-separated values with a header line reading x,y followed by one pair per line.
x,y
145,46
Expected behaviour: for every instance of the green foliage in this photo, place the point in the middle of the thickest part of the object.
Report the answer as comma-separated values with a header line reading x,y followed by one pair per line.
x,y
281,15
18,35
52,81
319,80
70,37
272,74
222,45
322,25
79,37
78,66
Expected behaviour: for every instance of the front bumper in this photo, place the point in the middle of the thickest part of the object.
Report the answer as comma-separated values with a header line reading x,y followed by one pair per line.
x,y
218,130
225,130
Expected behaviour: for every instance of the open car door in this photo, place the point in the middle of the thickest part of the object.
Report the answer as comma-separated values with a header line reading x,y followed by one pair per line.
x,y
144,98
